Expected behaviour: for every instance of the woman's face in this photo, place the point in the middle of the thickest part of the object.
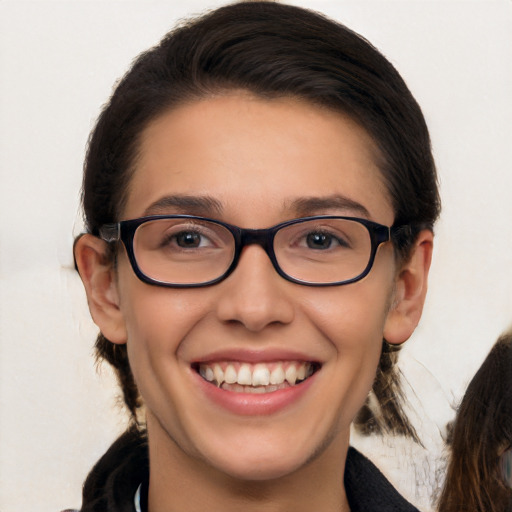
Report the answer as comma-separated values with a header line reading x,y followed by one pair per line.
x,y
255,163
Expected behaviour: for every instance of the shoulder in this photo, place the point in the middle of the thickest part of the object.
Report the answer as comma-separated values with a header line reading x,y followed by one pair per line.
x,y
368,489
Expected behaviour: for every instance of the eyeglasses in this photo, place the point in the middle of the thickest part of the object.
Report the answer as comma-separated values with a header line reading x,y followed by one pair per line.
x,y
185,251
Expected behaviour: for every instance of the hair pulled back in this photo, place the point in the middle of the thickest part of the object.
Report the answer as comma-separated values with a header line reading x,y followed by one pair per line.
x,y
271,50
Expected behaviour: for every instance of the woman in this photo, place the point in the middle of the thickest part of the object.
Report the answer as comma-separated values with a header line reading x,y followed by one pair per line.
x,y
479,476
259,196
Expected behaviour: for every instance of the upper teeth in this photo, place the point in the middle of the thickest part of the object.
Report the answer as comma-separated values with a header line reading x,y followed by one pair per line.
x,y
261,374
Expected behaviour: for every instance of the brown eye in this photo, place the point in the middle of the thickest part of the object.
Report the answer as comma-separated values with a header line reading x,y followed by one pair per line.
x,y
319,241
188,239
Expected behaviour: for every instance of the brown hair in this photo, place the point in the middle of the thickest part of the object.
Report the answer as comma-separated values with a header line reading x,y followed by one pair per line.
x,y
482,430
272,50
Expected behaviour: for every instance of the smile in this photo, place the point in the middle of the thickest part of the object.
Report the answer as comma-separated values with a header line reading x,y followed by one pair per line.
x,y
244,377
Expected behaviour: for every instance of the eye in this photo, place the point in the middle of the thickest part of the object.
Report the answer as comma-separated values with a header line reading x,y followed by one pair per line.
x,y
190,239
187,239
322,240
319,240
331,237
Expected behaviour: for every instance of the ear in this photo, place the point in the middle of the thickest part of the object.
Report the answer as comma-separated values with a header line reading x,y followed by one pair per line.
x,y
410,291
98,276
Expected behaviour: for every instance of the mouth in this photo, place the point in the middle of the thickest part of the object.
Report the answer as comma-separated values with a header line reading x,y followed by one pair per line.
x,y
268,377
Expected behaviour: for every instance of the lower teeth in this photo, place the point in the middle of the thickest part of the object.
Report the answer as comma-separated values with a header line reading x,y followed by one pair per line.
x,y
237,388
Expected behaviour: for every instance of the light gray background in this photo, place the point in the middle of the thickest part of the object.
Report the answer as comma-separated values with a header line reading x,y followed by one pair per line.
x,y
58,62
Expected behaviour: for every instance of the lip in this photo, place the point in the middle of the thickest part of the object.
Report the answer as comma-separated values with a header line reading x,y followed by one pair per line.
x,y
253,404
254,356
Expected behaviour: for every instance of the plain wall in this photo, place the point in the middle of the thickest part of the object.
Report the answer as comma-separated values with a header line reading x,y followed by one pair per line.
x,y
58,62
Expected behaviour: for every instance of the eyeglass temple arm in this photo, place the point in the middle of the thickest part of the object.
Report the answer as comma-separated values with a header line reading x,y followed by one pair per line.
x,y
403,233
110,232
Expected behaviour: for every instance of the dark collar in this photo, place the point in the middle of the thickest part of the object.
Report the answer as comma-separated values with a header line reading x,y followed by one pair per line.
x,y
367,488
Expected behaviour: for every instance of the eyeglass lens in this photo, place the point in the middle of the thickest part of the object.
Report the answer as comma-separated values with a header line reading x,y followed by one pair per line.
x,y
193,251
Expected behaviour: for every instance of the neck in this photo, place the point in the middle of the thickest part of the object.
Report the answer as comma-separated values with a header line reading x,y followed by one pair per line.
x,y
181,483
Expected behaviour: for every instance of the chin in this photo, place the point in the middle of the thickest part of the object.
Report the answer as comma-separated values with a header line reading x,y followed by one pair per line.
x,y
259,459
260,470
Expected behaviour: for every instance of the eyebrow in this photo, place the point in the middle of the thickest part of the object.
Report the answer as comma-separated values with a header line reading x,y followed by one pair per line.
x,y
201,206
307,206
205,206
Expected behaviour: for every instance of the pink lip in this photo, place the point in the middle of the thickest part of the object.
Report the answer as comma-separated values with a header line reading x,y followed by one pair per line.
x,y
250,404
254,356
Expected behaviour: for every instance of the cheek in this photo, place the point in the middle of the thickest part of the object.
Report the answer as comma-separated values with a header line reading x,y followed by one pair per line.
x,y
351,317
356,312
157,320
156,316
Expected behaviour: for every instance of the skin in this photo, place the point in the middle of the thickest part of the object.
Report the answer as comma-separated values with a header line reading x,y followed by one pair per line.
x,y
256,158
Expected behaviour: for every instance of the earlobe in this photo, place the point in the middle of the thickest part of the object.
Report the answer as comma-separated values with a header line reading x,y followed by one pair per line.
x,y
410,291
98,276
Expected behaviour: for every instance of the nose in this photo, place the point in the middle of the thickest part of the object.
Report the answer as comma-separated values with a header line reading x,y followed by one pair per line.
x,y
255,295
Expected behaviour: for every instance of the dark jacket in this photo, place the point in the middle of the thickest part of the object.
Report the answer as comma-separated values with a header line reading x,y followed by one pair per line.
x,y
111,485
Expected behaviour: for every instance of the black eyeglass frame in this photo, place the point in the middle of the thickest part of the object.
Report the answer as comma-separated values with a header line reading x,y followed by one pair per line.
x,y
124,231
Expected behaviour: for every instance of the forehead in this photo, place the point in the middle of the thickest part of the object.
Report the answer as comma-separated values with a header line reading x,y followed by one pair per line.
x,y
257,156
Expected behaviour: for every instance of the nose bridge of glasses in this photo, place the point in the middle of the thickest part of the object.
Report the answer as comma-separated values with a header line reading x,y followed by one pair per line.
x,y
261,237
